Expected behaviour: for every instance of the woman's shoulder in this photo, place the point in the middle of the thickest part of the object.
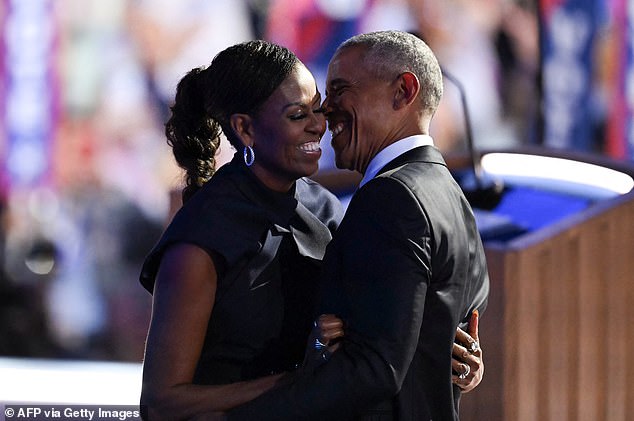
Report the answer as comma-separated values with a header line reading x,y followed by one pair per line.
x,y
216,219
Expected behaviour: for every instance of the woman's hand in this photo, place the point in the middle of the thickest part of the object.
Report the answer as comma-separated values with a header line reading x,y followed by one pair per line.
x,y
323,340
467,363
330,327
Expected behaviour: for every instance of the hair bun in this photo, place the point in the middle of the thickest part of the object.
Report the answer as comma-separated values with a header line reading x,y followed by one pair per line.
x,y
192,134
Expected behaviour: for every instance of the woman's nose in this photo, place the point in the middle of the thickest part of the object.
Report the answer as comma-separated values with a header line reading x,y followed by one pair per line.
x,y
322,125
318,123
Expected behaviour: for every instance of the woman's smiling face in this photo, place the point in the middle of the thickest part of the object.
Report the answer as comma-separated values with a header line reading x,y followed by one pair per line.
x,y
287,130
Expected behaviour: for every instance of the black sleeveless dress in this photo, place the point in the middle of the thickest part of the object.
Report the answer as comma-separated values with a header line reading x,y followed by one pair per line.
x,y
270,245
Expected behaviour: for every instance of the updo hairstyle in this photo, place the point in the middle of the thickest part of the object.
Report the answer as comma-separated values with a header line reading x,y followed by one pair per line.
x,y
238,80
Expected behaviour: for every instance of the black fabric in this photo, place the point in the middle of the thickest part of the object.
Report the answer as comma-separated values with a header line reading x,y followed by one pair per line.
x,y
404,269
271,245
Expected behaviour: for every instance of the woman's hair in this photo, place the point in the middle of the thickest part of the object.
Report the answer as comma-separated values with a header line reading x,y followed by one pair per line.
x,y
238,80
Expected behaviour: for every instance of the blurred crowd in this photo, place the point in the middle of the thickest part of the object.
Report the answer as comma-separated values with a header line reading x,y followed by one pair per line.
x,y
73,243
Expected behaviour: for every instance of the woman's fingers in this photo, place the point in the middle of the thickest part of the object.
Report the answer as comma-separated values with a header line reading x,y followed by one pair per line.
x,y
470,341
330,327
467,364
473,325
329,320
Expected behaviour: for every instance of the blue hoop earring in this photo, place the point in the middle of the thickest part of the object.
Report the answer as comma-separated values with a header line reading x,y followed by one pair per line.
x,y
248,150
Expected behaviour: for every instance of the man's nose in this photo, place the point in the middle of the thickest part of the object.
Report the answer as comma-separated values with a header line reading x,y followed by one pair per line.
x,y
326,106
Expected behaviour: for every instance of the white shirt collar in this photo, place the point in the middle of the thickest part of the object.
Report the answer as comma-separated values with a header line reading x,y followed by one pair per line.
x,y
392,151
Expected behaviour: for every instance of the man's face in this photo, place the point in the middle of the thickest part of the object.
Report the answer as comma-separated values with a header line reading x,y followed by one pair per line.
x,y
358,107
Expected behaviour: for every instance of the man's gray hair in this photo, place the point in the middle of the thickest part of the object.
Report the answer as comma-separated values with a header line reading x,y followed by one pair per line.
x,y
390,53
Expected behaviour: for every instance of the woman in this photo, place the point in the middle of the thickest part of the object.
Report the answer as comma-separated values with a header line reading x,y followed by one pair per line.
x,y
234,277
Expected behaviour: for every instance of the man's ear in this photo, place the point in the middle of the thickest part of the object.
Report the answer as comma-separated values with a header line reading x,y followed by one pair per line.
x,y
242,126
407,89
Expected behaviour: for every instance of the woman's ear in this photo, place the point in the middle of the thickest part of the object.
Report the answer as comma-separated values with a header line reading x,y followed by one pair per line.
x,y
242,126
408,88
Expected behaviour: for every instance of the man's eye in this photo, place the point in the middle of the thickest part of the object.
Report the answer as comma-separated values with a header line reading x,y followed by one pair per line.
x,y
339,91
297,116
335,92
319,110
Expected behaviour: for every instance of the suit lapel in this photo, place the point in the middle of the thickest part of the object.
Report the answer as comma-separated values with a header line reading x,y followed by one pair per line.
x,y
421,154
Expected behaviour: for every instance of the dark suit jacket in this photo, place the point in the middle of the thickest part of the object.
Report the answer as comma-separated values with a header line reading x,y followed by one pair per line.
x,y
405,268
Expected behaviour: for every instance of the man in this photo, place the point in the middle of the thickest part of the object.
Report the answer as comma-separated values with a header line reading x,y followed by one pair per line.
x,y
406,266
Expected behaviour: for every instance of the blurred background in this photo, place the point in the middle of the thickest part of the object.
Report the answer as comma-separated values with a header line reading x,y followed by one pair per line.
x,y
85,86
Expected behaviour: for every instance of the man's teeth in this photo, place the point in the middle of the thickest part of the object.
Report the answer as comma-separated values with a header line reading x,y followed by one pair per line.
x,y
309,146
337,129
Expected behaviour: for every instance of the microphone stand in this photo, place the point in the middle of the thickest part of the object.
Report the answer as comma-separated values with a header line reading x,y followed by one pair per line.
x,y
484,196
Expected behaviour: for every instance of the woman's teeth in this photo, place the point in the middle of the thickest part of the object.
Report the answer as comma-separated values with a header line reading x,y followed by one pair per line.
x,y
309,147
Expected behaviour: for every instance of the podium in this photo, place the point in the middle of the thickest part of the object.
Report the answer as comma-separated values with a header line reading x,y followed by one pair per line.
x,y
558,333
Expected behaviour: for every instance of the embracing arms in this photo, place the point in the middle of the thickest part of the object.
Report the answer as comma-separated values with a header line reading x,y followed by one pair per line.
x,y
376,278
466,349
183,300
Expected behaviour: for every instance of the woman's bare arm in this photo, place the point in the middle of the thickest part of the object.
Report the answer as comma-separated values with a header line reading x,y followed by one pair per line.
x,y
182,304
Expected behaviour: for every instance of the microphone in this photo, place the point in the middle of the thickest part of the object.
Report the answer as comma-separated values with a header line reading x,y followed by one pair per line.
x,y
482,193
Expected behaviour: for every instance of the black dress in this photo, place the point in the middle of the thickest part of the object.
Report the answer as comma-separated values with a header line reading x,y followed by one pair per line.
x,y
269,246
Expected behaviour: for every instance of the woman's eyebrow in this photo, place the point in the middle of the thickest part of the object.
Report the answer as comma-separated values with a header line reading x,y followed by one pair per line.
x,y
317,99
296,103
